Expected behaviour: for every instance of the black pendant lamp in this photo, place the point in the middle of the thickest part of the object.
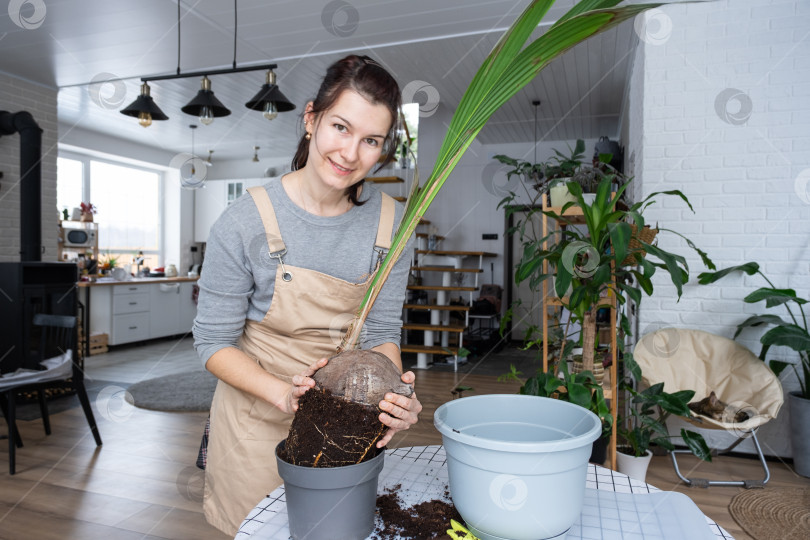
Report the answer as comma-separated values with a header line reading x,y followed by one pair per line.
x,y
270,100
144,108
205,104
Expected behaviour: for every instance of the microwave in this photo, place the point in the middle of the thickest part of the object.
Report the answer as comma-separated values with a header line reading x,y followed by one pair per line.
x,y
80,238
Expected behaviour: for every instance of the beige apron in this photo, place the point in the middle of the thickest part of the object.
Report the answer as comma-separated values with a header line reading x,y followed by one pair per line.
x,y
307,318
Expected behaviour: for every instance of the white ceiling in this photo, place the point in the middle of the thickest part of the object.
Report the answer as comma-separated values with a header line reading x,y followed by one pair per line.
x,y
79,42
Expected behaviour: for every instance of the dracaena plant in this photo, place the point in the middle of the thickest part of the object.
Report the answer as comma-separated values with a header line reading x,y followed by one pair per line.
x,y
590,263
509,67
792,333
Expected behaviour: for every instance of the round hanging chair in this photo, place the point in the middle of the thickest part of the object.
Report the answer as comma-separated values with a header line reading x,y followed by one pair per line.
x,y
685,359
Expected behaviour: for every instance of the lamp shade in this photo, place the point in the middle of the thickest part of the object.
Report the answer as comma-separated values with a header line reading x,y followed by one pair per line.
x,y
206,98
270,93
144,104
270,100
204,102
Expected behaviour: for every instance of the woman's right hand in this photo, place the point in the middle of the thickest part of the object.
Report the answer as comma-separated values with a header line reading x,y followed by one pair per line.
x,y
300,384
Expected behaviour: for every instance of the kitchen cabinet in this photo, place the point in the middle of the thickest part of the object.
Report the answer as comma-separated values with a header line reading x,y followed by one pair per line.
x,y
172,309
165,301
212,200
137,311
130,314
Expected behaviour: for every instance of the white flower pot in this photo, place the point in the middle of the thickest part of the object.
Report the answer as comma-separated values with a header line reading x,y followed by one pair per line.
x,y
634,467
559,194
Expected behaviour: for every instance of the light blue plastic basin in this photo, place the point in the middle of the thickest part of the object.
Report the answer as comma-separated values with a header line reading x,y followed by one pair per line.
x,y
517,464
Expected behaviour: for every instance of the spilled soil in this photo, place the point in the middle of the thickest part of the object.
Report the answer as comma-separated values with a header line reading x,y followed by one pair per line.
x,y
427,520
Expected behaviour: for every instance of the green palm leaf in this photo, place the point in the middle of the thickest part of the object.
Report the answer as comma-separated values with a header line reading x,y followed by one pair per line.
x,y
507,69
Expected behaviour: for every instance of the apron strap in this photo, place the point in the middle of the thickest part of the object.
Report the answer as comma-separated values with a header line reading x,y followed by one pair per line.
x,y
386,226
261,199
268,215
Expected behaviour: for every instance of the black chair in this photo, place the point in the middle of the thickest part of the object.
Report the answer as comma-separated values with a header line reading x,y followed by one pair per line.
x,y
57,369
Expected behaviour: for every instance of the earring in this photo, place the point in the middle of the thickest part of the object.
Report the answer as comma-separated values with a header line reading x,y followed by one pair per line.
x,y
308,136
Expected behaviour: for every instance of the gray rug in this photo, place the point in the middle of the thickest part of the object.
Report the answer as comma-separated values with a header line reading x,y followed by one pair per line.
x,y
182,392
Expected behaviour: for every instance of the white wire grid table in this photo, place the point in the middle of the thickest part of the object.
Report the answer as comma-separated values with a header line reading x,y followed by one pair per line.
x,y
421,474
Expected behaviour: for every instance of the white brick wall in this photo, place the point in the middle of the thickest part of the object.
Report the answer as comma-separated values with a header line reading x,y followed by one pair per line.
x,y
17,95
741,179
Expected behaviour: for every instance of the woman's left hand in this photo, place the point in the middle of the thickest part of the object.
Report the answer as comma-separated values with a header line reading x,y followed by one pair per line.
x,y
399,412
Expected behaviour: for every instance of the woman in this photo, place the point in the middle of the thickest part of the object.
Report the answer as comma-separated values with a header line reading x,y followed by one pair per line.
x,y
285,270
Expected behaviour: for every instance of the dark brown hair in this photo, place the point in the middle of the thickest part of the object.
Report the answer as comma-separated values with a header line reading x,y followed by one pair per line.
x,y
373,82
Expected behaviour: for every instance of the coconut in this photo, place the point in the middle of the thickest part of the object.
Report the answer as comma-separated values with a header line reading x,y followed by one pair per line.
x,y
337,422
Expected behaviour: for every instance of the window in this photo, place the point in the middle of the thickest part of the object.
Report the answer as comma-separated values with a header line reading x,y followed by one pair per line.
x,y
69,185
405,159
235,190
127,201
128,210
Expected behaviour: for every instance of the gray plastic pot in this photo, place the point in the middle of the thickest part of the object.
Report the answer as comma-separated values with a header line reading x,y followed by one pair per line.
x,y
330,503
517,464
799,408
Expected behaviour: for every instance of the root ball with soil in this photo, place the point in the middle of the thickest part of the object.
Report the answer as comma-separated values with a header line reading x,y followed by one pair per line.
x,y
337,422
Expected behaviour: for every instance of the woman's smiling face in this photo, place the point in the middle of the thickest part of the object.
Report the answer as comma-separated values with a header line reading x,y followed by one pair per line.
x,y
347,139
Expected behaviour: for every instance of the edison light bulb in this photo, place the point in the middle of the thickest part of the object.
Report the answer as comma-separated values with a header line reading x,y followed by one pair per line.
x,y
145,119
206,116
270,110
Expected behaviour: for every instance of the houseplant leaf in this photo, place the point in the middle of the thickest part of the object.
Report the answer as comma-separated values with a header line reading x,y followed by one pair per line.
x,y
773,297
619,239
671,263
632,366
675,192
750,268
757,320
697,445
789,335
777,366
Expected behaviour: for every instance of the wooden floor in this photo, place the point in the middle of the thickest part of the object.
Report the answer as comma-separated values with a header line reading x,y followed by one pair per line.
x,y
142,483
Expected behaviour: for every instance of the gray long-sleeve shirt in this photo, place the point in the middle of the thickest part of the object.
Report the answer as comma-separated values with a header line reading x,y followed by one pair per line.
x,y
238,278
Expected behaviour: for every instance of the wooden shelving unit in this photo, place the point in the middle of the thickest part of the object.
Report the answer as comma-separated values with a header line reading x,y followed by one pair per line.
x,y
73,251
573,216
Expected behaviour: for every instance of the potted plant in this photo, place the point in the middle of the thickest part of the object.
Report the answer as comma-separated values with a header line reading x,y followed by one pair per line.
x,y
88,209
560,169
791,333
588,264
589,178
563,169
550,176
646,425
526,171
109,263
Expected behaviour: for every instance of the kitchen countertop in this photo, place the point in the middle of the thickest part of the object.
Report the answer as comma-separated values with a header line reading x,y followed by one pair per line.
x,y
133,281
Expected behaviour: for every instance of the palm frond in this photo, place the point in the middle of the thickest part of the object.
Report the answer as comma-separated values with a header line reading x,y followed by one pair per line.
x,y
506,70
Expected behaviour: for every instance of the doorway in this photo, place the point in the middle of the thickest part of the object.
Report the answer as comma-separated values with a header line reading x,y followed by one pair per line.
x,y
526,305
